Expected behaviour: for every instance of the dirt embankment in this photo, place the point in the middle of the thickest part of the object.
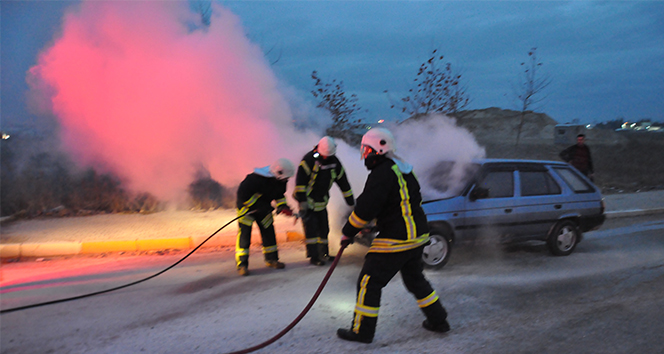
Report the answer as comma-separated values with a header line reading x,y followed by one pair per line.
x,y
623,161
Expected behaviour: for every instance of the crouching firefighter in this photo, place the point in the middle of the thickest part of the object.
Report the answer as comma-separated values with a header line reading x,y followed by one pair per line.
x,y
254,200
391,196
317,172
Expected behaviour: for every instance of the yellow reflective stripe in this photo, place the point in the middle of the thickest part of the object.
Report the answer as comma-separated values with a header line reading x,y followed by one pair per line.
x,y
341,173
300,189
312,177
366,310
281,201
356,221
385,245
270,249
348,193
311,241
318,206
333,177
267,221
239,252
433,297
252,200
315,240
360,300
305,167
245,220
406,210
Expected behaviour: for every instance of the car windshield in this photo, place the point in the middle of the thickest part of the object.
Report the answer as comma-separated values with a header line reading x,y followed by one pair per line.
x,y
447,179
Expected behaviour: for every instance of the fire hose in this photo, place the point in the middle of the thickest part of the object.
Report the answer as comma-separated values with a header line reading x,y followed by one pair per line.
x,y
304,311
121,286
243,351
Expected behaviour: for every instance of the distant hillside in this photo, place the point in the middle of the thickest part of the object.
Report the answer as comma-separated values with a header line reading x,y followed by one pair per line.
x,y
623,161
500,125
495,125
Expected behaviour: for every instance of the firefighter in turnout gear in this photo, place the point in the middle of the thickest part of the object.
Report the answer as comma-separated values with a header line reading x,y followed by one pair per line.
x,y
392,197
318,171
254,200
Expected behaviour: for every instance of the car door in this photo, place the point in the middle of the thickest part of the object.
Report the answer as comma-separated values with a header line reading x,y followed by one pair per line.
x,y
489,203
540,202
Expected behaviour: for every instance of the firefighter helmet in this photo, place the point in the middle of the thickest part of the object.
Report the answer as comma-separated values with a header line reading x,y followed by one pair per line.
x,y
282,169
327,146
377,141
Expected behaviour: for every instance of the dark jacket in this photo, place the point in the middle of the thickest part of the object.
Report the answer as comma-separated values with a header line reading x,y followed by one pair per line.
x,y
256,192
315,177
393,198
579,157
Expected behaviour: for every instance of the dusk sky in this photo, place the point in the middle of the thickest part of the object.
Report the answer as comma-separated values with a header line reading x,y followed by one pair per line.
x,y
604,58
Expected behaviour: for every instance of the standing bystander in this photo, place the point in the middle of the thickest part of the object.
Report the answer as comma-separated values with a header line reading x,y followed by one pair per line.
x,y
578,155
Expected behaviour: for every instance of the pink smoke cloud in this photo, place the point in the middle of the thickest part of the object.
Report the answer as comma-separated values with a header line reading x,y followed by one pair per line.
x,y
139,93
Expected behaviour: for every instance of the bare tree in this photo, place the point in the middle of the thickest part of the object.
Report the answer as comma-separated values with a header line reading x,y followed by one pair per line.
x,y
342,108
438,90
529,90
204,8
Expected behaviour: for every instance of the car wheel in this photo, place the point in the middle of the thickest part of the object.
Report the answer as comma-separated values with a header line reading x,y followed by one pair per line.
x,y
437,252
563,238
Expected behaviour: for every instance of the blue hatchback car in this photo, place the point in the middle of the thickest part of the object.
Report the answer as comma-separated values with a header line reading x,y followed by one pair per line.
x,y
512,201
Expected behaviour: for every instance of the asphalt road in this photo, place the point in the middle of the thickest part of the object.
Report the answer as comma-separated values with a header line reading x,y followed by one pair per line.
x,y
604,298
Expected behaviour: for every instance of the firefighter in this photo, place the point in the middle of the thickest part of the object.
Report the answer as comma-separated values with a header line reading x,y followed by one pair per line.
x,y
317,172
391,196
254,200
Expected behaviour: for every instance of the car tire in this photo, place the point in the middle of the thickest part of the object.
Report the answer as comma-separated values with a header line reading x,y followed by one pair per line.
x,y
437,252
563,238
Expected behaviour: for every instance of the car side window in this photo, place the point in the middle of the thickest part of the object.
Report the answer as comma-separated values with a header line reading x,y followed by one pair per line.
x,y
537,183
499,184
575,182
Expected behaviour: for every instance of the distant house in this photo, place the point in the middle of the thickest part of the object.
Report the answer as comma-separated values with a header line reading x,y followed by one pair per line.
x,y
566,133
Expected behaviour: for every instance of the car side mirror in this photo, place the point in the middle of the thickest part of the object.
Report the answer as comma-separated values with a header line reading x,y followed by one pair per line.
x,y
478,193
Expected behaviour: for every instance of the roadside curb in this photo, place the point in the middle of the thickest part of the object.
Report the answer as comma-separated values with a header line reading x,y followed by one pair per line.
x,y
6,219
632,212
50,249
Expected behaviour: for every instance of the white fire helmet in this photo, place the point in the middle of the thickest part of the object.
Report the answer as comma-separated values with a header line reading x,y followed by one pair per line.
x,y
377,141
327,146
282,169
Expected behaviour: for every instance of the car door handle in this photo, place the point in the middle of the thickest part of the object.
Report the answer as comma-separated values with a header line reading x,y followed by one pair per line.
x,y
557,206
508,211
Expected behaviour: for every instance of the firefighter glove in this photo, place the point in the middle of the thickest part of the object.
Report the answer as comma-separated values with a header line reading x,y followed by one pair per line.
x,y
284,209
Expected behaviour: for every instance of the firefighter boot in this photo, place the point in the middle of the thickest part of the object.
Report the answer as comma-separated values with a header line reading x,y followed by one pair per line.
x,y
347,334
436,318
316,261
243,271
275,264
440,327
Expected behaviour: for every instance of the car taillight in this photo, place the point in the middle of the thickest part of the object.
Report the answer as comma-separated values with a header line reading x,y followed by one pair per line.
x,y
602,206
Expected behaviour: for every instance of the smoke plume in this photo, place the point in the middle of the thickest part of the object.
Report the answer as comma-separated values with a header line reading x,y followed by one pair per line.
x,y
140,90
439,151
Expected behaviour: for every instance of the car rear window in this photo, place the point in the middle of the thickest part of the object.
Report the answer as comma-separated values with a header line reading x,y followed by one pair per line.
x,y
538,183
575,182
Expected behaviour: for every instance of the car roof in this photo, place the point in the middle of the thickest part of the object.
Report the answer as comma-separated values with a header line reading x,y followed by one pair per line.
x,y
517,161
